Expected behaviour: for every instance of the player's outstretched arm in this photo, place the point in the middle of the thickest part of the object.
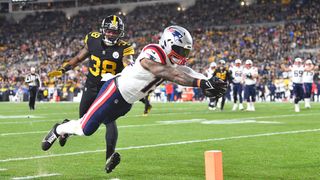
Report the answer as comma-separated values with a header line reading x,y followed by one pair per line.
x,y
212,87
81,56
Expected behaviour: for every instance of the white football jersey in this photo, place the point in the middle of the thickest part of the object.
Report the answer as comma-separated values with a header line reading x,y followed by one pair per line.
x,y
135,82
252,71
308,76
297,74
236,73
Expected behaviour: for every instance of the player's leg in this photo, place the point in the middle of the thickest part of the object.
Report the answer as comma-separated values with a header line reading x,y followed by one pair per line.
x,y
88,97
235,95
239,92
253,95
247,96
297,96
89,123
307,93
31,98
223,100
212,103
112,157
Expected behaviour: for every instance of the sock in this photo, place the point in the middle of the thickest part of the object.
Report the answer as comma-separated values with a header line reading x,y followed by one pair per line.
x,y
111,138
71,127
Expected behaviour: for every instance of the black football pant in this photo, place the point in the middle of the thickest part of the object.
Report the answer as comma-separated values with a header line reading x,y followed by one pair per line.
x,y
89,95
32,96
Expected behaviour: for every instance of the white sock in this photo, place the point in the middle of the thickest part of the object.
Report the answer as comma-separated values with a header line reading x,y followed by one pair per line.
x,y
71,127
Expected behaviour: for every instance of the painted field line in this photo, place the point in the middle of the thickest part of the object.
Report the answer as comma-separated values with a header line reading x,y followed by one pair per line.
x,y
163,144
3,169
27,122
36,176
169,122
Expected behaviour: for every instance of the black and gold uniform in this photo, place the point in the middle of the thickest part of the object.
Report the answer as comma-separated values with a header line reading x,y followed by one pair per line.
x,y
224,74
103,59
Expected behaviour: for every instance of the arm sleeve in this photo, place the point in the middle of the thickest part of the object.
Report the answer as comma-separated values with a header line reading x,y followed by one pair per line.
x,y
191,72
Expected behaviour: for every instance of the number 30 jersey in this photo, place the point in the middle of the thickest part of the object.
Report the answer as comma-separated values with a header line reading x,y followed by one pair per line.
x,y
136,82
104,59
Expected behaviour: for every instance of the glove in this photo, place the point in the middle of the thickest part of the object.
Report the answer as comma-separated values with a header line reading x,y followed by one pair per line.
x,y
56,73
59,72
213,87
249,76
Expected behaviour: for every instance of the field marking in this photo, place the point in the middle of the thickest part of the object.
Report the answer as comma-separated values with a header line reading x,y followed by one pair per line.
x,y
3,169
36,176
28,122
183,121
18,116
163,144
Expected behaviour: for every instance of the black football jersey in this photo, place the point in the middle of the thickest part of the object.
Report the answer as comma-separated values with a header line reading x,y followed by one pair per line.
x,y
105,59
222,74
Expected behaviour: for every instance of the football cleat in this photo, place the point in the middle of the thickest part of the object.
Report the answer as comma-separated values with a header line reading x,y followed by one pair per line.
x,y
50,138
112,162
63,139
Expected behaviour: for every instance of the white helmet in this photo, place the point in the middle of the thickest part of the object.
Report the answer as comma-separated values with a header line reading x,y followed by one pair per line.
x,y
297,60
177,43
237,61
249,61
213,64
308,61
221,61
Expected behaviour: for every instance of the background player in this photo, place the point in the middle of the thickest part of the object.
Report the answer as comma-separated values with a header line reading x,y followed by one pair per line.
x,y
34,82
237,81
250,75
222,73
107,54
297,71
156,63
307,83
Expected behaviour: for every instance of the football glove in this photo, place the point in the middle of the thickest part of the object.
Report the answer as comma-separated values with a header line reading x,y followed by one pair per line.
x,y
57,73
213,87
249,76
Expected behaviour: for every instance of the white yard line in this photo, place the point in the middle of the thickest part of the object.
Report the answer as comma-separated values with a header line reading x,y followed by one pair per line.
x,y
36,176
163,144
173,122
3,169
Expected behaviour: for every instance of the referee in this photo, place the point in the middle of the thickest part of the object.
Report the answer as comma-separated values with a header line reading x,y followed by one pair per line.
x,y
34,83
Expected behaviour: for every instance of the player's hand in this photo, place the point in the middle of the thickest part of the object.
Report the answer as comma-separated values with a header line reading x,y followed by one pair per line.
x,y
213,87
249,76
56,73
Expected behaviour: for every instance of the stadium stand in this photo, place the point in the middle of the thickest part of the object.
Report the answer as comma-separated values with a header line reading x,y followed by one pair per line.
x,y
267,33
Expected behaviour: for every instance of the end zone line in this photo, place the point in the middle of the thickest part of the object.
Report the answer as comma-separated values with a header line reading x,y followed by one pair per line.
x,y
36,176
163,144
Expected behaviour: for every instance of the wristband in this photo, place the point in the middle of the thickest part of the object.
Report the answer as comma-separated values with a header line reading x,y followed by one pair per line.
x,y
196,82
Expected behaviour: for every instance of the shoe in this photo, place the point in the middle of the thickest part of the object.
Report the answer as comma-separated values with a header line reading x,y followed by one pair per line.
x,y
234,108
296,108
112,162
149,108
63,139
212,108
50,138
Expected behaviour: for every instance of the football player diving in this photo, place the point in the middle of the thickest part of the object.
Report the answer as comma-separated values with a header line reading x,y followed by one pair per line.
x,y
107,53
155,64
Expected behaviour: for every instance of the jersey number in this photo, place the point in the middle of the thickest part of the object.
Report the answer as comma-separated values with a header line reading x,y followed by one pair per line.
x,y
297,73
107,66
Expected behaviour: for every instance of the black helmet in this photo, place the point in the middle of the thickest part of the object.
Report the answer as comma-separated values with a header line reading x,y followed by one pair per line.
x,y
112,28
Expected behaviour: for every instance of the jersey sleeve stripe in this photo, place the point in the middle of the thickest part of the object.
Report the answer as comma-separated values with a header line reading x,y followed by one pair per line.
x,y
159,52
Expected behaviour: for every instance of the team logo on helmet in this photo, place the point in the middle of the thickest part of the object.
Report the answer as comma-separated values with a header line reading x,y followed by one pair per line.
x,y
176,34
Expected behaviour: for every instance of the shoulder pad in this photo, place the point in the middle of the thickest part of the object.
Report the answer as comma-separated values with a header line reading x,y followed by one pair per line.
x,y
91,35
155,53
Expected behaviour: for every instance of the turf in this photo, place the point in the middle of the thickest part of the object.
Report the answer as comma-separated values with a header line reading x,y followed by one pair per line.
x,y
151,149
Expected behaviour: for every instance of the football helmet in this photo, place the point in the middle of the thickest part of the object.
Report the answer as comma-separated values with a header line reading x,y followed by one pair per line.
x,y
177,43
213,65
308,62
112,28
238,62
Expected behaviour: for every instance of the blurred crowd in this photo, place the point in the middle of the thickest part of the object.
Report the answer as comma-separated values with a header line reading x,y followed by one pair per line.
x,y
222,29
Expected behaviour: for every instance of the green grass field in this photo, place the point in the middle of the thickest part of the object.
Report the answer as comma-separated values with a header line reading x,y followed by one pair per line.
x,y
272,143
